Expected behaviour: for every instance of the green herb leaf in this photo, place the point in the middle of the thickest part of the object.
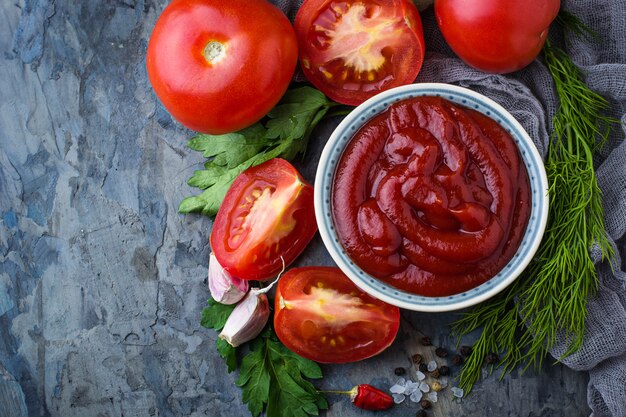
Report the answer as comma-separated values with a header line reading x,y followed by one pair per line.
x,y
285,135
272,377
231,149
215,315
293,116
228,353
254,377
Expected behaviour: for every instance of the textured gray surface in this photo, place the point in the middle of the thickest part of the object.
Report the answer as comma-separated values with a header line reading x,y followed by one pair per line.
x,y
101,280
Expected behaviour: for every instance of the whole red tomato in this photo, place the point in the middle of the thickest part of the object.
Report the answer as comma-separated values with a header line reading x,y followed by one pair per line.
x,y
321,315
219,66
264,222
354,49
497,36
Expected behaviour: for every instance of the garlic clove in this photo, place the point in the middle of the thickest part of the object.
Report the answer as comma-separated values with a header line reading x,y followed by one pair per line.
x,y
247,319
225,289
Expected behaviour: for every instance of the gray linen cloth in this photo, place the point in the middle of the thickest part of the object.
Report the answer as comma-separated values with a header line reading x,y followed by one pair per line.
x,y
529,95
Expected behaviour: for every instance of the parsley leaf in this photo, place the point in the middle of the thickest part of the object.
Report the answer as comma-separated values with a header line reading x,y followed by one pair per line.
x,y
285,135
228,353
272,377
214,317
254,377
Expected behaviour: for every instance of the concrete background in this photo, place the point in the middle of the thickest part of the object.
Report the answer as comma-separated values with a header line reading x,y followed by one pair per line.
x,y
101,280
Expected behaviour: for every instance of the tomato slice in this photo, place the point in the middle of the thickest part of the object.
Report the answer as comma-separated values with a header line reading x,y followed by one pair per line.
x,y
354,49
321,315
267,215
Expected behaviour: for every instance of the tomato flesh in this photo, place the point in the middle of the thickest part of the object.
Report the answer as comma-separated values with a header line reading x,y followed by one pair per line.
x,y
321,315
220,66
266,218
354,49
498,36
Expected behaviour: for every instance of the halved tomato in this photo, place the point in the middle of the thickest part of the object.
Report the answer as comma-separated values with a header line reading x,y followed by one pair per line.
x,y
266,217
354,49
321,315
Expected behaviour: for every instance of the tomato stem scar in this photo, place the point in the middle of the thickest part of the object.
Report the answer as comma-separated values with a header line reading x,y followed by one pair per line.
x,y
214,51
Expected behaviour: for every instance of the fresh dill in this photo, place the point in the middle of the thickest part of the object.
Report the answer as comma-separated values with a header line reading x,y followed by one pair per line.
x,y
550,299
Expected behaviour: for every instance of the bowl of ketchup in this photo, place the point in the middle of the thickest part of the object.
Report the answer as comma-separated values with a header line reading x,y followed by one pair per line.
x,y
431,197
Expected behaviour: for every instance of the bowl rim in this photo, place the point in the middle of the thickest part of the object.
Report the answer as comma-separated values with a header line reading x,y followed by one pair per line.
x,y
530,156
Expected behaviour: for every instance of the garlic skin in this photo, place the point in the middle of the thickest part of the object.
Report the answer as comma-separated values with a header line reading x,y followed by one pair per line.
x,y
225,289
247,319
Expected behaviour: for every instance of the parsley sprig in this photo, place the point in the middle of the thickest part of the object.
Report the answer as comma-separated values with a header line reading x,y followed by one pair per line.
x,y
214,317
271,377
284,134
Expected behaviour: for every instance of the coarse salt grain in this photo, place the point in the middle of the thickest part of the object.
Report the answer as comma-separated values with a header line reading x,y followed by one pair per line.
x,y
411,387
396,389
424,387
401,382
420,375
416,396
457,392
432,397
398,398
432,365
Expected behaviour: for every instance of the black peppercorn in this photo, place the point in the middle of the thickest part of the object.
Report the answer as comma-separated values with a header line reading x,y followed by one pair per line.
x,y
465,350
441,352
421,413
423,367
417,358
491,358
457,360
425,404
444,370
399,371
435,374
426,341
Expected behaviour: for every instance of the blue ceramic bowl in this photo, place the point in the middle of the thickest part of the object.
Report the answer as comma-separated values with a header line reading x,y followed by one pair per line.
x,y
373,286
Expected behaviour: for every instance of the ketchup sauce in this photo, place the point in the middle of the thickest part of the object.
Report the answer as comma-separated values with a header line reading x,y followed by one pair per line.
x,y
431,197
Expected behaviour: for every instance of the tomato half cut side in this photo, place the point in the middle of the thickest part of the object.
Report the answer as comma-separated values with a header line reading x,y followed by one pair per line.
x,y
266,218
321,315
354,49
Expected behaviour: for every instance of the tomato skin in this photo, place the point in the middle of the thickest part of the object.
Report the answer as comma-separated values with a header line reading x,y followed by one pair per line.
x,y
354,49
267,215
497,36
247,78
321,315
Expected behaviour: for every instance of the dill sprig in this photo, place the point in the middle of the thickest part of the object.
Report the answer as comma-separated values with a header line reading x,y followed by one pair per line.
x,y
550,299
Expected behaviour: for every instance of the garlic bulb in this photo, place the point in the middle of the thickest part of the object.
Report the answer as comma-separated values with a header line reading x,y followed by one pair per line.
x,y
225,289
247,319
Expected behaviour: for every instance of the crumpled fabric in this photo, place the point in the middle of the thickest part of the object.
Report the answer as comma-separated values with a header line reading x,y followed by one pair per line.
x,y
530,96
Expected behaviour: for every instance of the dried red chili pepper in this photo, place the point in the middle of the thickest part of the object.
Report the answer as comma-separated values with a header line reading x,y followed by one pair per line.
x,y
368,397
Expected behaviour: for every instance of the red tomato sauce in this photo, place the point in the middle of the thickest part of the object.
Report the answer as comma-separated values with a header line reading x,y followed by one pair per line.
x,y
431,197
